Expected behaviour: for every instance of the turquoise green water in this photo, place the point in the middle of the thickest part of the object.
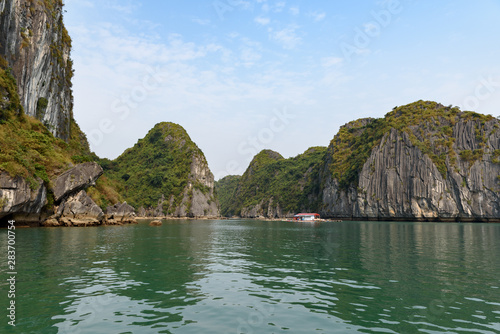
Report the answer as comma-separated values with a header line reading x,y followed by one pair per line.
x,y
256,277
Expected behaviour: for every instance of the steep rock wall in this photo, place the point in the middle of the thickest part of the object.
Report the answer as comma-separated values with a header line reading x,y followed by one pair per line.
x,y
36,45
398,181
199,199
265,208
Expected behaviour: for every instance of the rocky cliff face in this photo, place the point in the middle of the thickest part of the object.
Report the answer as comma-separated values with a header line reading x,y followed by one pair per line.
x,y
17,196
198,197
265,209
34,202
422,161
445,168
36,45
201,190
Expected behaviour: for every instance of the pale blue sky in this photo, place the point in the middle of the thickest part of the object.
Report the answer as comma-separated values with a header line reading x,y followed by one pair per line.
x,y
244,75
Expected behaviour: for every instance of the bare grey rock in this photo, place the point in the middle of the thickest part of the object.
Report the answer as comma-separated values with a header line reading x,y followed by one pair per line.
x,y
79,207
29,32
77,178
141,212
398,181
17,197
120,210
266,209
198,199
121,213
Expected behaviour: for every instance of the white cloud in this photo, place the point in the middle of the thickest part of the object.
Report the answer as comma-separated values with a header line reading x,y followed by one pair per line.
x,y
286,37
331,61
202,22
125,7
317,17
250,52
246,5
262,20
279,6
249,56
294,11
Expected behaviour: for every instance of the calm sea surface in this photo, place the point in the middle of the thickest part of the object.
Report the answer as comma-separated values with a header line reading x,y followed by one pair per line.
x,y
238,276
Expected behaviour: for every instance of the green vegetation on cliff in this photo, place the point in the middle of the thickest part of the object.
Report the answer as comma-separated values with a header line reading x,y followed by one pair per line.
x,y
443,133
226,189
28,148
159,164
428,124
290,182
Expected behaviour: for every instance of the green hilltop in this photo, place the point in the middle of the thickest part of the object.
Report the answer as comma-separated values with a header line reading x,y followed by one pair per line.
x,y
428,124
159,163
296,184
269,176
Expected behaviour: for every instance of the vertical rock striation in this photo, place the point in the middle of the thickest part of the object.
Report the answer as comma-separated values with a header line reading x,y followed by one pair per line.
x,y
444,168
36,45
422,161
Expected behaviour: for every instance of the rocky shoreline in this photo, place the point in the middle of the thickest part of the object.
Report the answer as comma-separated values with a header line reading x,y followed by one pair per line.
x,y
63,201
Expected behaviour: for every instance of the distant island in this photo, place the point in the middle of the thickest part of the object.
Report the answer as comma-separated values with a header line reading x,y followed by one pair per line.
x,y
422,161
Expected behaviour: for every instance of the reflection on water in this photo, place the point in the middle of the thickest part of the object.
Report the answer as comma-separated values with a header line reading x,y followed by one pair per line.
x,y
259,277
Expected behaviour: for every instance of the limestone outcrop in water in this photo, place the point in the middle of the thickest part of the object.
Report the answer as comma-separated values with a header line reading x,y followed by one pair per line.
x,y
422,161
120,213
273,186
27,202
165,174
71,204
18,196
79,209
443,165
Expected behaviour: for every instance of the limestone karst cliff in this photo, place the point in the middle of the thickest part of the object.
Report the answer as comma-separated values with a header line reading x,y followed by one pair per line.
x,y
422,161
165,174
39,138
273,186
36,45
